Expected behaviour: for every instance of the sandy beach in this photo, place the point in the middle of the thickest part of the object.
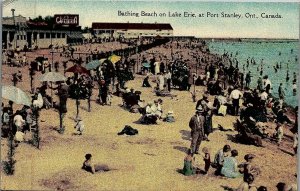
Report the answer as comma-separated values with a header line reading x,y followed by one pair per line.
x,y
147,161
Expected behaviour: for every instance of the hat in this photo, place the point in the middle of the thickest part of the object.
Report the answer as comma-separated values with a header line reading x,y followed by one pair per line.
x,y
199,109
252,119
127,90
205,150
78,118
249,156
170,113
250,105
88,156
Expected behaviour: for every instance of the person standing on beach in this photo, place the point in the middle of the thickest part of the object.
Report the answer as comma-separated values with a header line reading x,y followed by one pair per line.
x,y
260,84
168,77
235,95
197,130
63,92
267,84
279,133
295,143
248,79
242,80
206,158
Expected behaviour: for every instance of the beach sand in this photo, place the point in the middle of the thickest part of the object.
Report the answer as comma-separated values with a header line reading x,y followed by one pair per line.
x,y
147,161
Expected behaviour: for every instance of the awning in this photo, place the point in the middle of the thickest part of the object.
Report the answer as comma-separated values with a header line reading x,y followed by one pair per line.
x,y
75,35
23,25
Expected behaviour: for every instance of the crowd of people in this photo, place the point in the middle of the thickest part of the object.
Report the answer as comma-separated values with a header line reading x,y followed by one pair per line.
x,y
231,91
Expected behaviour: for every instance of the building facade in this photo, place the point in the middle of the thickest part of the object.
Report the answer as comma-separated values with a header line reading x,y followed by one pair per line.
x,y
20,33
131,30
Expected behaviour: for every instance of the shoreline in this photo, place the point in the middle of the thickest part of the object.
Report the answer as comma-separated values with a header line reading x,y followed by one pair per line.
x,y
251,40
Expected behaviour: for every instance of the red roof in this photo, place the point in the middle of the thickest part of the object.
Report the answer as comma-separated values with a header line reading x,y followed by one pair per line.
x,y
136,26
37,23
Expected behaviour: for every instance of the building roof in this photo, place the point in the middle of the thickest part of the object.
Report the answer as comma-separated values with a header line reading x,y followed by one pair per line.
x,y
135,26
45,26
18,26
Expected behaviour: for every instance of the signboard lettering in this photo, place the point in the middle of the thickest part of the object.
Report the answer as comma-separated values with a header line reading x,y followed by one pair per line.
x,y
66,19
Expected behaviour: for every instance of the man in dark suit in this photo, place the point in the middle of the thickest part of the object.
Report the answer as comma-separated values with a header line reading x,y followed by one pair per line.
x,y
197,129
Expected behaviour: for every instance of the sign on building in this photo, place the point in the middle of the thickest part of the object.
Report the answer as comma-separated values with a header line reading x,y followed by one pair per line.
x,y
66,19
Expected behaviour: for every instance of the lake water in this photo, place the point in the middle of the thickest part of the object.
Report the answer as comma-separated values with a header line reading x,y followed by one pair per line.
x,y
285,53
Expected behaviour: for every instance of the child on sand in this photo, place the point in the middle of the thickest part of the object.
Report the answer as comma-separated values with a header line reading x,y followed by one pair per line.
x,y
206,159
89,166
188,167
79,126
279,132
109,98
295,143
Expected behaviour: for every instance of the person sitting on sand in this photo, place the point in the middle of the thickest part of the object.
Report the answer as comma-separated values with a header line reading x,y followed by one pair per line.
x,y
90,167
146,82
281,186
79,126
149,117
248,167
247,185
170,117
188,167
230,164
219,158
158,105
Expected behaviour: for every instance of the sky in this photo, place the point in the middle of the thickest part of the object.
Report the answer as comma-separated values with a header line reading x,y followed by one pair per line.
x,y
206,26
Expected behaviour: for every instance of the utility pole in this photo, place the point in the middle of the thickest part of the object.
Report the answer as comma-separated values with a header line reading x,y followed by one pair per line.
x,y
14,21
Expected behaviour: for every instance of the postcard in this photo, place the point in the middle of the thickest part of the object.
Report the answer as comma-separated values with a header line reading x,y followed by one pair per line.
x,y
149,95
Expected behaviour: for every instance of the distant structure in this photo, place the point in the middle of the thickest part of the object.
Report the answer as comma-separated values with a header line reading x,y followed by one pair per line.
x,y
18,32
131,30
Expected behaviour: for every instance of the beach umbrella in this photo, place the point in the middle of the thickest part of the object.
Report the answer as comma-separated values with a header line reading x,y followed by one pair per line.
x,y
78,69
114,58
92,65
16,95
146,65
52,77
95,63
102,60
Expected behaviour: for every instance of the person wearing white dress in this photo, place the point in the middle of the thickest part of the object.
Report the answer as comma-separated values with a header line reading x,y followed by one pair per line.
x,y
161,81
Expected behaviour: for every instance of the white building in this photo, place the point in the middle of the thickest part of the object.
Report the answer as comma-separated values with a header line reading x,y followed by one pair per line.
x,y
38,34
131,30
